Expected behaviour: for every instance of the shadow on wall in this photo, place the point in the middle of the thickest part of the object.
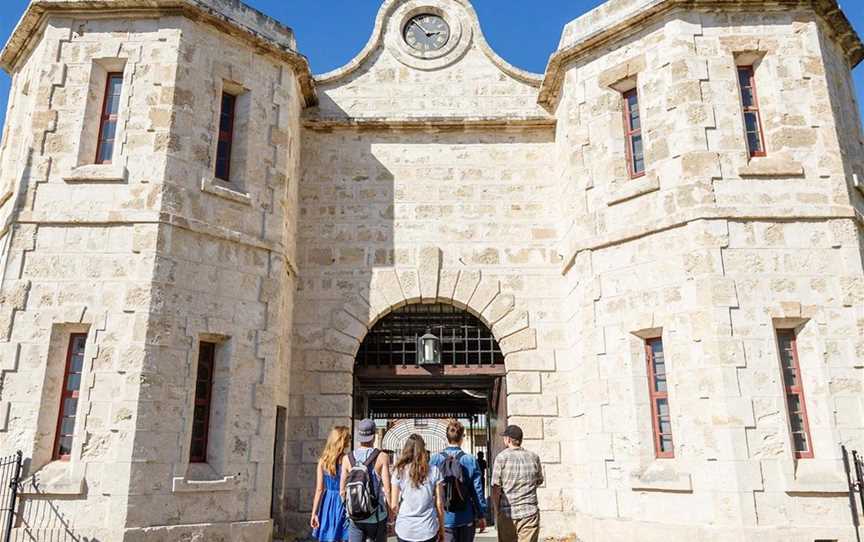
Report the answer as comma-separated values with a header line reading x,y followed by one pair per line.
x,y
41,521
369,199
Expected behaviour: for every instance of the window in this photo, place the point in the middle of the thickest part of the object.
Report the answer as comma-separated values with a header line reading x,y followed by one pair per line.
x,y
108,121
203,396
226,136
69,397
750,106
799,426
633,134
661,419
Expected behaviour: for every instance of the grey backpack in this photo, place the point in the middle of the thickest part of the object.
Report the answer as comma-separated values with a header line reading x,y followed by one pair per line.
x,y
361,497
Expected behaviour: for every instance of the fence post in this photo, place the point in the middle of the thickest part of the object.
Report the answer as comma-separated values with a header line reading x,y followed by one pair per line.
x,y
13,497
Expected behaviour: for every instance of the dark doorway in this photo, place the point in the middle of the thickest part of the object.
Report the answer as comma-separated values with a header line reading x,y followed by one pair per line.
x,y
391,385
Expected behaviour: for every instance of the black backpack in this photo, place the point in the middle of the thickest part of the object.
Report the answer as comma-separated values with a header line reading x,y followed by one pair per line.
x,y
456,491
361,498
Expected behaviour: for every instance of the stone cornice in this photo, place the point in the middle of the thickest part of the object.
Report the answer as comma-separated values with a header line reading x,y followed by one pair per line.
x,y
261,32
635,15
705,212
423,123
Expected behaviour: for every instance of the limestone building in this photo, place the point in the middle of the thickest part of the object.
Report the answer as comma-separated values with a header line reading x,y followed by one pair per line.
x,y
650,257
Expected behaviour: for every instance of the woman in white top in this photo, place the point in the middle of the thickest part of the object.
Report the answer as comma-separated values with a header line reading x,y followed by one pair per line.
x,y
418,495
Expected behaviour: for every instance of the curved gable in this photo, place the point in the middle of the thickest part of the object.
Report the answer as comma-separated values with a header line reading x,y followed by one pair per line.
x,y
464,79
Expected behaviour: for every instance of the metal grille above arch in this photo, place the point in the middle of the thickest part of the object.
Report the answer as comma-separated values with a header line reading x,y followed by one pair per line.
x,y
465,341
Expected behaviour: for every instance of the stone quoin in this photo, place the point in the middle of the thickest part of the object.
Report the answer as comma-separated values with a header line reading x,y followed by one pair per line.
x,y
663,233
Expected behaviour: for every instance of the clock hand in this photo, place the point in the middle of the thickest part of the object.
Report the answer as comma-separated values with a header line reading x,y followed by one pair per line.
x,y
421,27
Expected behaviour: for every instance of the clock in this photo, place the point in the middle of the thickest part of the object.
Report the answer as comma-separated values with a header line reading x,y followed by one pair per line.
x,y
426,32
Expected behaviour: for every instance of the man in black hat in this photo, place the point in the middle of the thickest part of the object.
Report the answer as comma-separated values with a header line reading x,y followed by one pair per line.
x,y
515,478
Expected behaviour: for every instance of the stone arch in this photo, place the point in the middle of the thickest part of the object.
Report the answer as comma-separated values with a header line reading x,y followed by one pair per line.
x,y
428,282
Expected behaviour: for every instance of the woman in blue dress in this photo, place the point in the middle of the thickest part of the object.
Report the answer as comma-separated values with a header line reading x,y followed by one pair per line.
x,y
329,521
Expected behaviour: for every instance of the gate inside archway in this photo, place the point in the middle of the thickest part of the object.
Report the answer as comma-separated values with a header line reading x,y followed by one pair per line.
x,y
403,395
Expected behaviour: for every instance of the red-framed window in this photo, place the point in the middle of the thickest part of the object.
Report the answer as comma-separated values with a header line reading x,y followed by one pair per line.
x,y
108,119
633,134
659,395
226,137
802,445
203,399
750,107
69,397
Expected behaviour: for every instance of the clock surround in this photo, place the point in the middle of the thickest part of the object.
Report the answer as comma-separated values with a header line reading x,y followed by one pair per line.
x,y
453,17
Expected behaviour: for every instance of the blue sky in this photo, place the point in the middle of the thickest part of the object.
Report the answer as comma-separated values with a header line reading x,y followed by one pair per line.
x,y
332,32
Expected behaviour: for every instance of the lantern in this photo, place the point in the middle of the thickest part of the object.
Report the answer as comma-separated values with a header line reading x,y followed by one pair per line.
x,y
428,349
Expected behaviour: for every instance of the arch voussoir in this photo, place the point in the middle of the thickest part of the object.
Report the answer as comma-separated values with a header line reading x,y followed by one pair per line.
x,y
409,280
500,307
465,287
447,281
483,296
519,342
513,322
429,273
341,320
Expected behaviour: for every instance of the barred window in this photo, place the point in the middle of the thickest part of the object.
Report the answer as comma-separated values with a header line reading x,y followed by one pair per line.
x,y
802,445
659,395
750,107
226,137
69,397
203,400
108,120
633,134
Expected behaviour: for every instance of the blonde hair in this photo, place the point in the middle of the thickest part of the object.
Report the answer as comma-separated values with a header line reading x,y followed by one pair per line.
x,y
338,441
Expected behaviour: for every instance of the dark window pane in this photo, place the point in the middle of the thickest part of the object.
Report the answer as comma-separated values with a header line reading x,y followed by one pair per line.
x,y
666,443
800,442
67,426
747,97
754,142
663,408
106,151
65,446
77,363
70,406
660,383
73,382
636,152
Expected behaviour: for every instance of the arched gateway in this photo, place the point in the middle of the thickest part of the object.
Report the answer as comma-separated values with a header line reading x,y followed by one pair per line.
x,y
431,362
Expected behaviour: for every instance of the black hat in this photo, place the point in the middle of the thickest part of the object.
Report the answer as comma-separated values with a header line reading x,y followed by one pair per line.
x,y
514,432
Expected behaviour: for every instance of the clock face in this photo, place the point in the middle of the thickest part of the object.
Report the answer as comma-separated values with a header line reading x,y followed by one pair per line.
x,y
427,32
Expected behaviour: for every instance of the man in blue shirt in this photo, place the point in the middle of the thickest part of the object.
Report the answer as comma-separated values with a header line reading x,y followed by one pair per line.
x,y
461,526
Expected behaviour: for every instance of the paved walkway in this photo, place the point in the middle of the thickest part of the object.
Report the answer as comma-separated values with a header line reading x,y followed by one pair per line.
x,y
491,535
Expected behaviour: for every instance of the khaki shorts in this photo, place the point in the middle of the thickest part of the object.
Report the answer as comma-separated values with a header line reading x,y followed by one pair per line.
x,y
518,530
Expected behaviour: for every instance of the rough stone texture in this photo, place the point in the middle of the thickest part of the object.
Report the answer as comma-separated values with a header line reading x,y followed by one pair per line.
x,y
445,182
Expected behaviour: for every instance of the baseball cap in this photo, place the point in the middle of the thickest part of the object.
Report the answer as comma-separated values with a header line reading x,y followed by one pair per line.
x,y
514,432
366,431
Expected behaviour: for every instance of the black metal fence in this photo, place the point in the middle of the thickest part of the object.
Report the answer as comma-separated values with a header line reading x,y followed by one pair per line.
x,y
854,463
10,480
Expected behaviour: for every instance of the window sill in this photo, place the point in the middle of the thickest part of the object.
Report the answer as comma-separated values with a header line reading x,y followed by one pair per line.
x,y
55,478
815,476
772,166
202,478
661,475
625,189
99,173
214,186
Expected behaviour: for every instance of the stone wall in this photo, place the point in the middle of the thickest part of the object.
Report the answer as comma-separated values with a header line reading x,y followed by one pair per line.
x,y
712,251
80,260
148,255
437,179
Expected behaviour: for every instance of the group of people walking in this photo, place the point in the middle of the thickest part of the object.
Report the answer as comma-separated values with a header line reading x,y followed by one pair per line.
x,y
424,497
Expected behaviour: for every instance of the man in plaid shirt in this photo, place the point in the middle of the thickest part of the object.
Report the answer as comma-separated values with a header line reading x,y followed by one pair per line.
x,y
515,478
